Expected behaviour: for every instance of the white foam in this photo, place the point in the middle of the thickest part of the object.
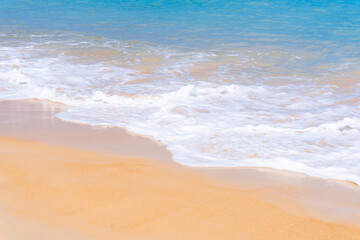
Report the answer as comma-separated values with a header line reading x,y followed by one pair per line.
x,y
211,108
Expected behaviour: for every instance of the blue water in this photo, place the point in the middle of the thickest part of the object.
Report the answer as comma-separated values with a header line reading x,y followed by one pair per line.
x,y
193,23
222,83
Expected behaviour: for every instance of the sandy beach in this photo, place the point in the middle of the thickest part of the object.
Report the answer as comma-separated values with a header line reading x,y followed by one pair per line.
x,y
61,180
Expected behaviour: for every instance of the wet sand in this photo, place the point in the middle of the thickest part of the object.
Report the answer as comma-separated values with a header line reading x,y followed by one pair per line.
x,y
61,180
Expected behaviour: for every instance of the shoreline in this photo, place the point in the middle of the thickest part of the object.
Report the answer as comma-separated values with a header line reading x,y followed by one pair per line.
x,y
295,195
57,107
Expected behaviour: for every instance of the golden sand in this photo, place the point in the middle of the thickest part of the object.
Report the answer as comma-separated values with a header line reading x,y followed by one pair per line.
x,y
100,183
54,192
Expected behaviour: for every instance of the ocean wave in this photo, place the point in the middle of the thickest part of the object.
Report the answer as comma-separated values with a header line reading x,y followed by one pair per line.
x,y
214,107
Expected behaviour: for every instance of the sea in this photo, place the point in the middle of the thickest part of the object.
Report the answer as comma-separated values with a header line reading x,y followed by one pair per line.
x,y
223,83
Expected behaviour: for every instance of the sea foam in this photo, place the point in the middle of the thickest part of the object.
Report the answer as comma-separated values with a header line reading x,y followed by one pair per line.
x,y
215,107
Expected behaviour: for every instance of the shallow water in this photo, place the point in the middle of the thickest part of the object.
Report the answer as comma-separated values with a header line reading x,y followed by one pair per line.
x,y
222,83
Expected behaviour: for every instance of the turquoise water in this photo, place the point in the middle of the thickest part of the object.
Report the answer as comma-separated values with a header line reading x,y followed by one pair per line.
x,y
193,23
222,83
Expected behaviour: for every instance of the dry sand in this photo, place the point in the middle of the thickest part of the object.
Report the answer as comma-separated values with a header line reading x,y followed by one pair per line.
x,y
54,191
